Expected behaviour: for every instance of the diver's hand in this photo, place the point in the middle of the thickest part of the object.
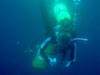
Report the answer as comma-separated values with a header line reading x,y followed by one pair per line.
x,y
52,61
68,63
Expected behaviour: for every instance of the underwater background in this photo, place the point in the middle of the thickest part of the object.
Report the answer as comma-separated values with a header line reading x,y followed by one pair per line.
x,y
21,25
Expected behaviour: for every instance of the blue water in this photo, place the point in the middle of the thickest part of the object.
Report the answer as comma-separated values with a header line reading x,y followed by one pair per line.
x,y
21,24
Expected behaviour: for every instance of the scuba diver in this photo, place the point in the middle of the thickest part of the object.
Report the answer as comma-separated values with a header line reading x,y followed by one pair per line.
x,y
59,45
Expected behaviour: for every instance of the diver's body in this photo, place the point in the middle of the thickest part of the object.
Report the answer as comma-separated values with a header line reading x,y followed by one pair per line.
x,y
60,31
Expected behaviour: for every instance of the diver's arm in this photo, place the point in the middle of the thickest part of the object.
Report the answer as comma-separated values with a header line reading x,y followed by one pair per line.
x,y
43,45
72,48
72,56
79,39
42,55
